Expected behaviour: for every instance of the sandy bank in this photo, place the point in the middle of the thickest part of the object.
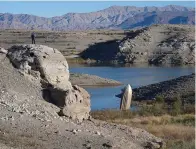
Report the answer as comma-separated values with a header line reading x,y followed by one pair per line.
x,y
91,80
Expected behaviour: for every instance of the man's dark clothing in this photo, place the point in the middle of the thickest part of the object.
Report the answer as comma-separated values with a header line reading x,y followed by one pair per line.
x,y
33,38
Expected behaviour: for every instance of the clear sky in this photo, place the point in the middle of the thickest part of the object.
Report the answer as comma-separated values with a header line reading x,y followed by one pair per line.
x,y
50,9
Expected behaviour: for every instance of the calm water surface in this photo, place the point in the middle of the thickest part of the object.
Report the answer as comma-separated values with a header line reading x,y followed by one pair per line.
x,y
136,76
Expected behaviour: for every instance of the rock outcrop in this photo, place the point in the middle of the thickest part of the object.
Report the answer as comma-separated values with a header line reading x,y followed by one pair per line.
x,y
20,95
49,62
50,67
77,103
157,44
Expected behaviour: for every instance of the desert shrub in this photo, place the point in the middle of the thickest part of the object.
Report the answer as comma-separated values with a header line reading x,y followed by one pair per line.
x,y
180,144
189,97
144,111
112,114
156,109
176,106
159,99
189,108
188,119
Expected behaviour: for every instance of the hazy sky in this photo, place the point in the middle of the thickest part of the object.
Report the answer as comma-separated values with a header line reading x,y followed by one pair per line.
x,y
49,9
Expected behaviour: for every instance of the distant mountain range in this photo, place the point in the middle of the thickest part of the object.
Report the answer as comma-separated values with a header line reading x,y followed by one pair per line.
x,y
115,17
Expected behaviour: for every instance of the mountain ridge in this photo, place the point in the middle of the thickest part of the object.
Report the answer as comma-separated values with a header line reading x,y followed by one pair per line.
x,y
111,17
111,7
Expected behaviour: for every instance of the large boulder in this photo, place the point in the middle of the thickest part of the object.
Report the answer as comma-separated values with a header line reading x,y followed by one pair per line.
x,y
49,62
77,103
50,66
74,103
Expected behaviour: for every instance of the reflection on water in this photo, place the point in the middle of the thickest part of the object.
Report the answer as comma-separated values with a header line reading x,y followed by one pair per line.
x,y
135,75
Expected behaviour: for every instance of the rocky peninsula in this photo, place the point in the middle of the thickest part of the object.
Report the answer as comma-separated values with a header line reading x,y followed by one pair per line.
x,y
183,87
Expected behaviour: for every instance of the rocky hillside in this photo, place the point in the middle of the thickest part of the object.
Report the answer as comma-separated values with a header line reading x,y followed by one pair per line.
x,y
31,120
158,17
157,44
183,87
116,17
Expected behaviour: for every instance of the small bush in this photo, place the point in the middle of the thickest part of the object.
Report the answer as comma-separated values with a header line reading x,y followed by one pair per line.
x,y
181,144
112,114
158,109
189,108
176,106
159,99
155,109
186,120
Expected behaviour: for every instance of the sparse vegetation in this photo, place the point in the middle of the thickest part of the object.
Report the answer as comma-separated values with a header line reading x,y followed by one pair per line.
x,y
159,99
168,120
176,106
75,60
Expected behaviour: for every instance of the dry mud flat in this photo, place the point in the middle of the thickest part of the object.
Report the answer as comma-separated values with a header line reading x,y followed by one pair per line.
x,y
67,42
91,80
28,121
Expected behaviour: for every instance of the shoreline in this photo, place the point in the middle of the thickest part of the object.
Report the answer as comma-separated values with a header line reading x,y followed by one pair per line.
x,y
86,80
80,60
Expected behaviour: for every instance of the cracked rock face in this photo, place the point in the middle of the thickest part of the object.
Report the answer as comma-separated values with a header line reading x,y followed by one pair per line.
x,y
49,62
3,51
159,44
50,66
77,103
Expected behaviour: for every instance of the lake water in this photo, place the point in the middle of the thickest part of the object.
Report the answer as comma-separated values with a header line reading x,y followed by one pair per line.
x,y
136,76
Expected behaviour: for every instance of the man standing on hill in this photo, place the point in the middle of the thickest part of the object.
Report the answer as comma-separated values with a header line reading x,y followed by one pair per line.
x,y
33,37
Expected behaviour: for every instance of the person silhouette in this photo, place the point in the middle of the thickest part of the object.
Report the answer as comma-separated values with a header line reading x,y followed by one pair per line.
x,y
33,37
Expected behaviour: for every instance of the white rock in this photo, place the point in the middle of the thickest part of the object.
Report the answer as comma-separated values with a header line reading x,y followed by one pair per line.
x,y
3,51
74,131
98,133
48,61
